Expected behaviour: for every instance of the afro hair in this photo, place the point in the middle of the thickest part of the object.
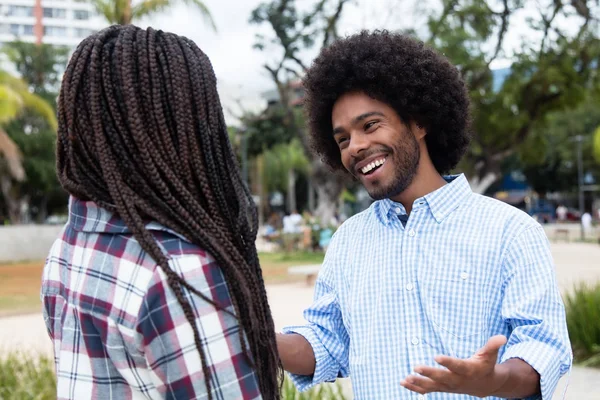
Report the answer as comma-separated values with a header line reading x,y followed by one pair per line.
x,y
418,83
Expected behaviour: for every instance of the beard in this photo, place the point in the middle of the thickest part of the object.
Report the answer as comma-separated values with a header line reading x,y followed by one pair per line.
x,y
405,157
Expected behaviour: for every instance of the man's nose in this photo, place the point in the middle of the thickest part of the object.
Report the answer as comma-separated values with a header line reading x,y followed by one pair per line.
x,y
358,143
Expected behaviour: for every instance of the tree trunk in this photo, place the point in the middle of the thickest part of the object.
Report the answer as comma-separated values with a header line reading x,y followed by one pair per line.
x,y
127,17
13,205
311,195
43,210
328,186
291,190
481,184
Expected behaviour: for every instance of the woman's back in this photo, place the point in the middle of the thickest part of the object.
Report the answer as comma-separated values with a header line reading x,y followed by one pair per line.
x,y
118,330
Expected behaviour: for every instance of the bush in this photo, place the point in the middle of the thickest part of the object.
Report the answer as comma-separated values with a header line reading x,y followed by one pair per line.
x,y
326,391
23,377
583,321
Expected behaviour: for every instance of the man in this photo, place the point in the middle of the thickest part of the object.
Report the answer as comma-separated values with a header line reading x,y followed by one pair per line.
x,y
153,290
433,288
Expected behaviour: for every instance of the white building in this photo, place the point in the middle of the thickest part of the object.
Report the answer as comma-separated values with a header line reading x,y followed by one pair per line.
x,y
57,22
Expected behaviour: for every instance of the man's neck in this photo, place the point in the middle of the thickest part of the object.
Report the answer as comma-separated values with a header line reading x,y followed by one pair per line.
x,y
426,180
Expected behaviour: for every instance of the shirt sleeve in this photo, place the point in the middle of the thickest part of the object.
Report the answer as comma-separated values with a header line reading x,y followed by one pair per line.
x,y
533,308
325,330
167,339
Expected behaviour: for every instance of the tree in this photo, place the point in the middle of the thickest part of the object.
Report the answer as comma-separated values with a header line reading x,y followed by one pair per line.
x,y
295,32
123,12
552,74
283,163
40,65
15,98
549,156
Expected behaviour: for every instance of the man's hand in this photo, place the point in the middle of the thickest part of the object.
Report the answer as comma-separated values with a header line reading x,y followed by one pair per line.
x,y
477,376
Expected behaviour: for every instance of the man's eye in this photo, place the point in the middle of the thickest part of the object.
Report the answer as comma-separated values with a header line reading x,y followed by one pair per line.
x,y
370,125
342,141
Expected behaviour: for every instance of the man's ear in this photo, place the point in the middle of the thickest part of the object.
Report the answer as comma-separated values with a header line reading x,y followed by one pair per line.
x,y
418,130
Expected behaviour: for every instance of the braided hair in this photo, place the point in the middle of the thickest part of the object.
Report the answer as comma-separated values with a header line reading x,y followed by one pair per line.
x,y
142,134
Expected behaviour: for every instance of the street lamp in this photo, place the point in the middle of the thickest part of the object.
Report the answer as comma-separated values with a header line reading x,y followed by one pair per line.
x,y
579,139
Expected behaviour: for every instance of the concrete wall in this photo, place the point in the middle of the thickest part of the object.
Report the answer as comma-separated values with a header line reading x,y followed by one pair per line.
x,y
27,242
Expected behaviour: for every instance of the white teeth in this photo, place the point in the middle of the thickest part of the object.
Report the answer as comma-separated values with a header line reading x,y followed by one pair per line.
x,y
372,165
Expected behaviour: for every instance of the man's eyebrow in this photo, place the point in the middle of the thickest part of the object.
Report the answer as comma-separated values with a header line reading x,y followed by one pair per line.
x,y
356,120
367,115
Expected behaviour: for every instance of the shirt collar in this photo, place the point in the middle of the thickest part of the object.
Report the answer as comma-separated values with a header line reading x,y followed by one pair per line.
x,y
441,202
87,216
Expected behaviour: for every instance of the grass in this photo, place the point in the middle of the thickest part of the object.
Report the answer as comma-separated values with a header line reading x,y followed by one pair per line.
x,y
20,282
583,321
25,377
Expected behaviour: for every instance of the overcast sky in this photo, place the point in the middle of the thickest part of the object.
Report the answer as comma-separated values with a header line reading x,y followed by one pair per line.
x,y
238,66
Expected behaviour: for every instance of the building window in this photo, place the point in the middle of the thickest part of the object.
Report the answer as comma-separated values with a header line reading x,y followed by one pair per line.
x,y
21,30
55,31
82,15
58,13
20,11
82,33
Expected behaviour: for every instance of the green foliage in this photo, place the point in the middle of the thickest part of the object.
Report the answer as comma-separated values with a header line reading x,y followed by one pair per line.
x,y
596,145
583,321
282,158
41,66
553,74
24,377
548,157
123,12
267,130
325,391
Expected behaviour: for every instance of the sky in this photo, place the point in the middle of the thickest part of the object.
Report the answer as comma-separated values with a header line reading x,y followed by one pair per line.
x,y
241,76
239,67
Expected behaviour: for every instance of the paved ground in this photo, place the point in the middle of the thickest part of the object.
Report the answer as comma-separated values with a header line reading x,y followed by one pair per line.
x,y
575,263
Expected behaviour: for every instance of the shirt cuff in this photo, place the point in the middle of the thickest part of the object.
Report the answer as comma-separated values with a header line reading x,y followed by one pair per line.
x,y
326,368
545,359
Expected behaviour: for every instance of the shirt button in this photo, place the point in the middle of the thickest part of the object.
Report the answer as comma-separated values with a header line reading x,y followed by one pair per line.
x,y
409,286
411,233
398,210
464,276
415,341
421,397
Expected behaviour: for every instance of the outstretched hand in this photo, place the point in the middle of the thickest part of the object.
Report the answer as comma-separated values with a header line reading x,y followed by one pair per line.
x,y
475,376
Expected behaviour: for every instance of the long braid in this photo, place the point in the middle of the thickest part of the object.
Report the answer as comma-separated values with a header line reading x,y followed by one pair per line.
x,y
142,134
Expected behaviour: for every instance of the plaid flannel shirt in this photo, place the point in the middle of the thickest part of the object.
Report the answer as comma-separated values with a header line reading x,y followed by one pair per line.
x,y
117,328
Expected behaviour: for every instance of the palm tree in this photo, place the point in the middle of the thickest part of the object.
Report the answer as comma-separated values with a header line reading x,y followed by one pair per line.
x,y
123,12
283,163
15,97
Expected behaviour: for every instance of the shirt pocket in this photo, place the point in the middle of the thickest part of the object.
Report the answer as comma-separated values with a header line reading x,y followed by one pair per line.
x,y
457,303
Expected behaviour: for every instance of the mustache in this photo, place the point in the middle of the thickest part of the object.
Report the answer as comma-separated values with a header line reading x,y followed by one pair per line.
x,y
366,154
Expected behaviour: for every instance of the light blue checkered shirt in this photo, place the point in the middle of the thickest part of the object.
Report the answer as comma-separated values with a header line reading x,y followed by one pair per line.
x,y
464,268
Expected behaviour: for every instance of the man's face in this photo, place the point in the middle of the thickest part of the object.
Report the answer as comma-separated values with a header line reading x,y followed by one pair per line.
x,y
375,145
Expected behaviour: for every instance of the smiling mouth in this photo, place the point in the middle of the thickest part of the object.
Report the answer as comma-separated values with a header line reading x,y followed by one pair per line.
x,y
373,166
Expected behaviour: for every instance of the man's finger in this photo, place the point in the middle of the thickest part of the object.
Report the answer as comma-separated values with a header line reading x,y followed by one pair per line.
x,y
492,346
421,384
439,375
456,365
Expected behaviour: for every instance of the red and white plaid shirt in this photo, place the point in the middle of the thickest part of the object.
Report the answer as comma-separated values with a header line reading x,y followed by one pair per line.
x,y
117,327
